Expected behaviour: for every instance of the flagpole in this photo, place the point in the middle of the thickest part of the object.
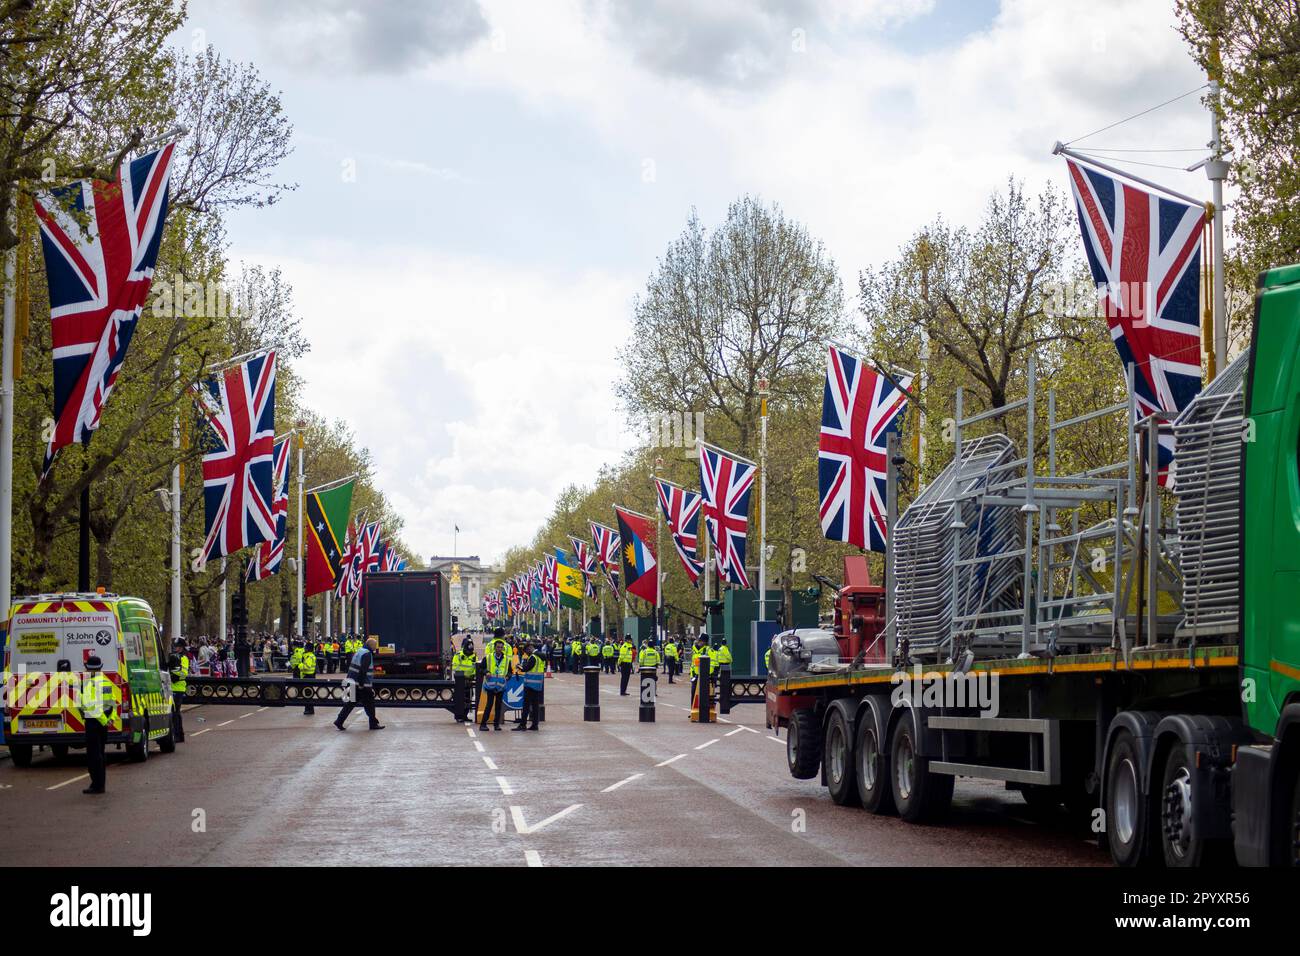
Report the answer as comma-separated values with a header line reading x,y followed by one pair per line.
x,y
7,437
221,615
762,502
329,629
1216,170
301,499
659,550
175,624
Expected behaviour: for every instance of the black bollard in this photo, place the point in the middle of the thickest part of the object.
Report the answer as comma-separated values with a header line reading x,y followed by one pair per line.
x,y
724,690
649,688
591,707
541,701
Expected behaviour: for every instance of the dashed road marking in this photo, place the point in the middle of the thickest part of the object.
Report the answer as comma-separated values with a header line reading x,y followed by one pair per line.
x,y
200,733
612,787
532,858
260,709
84,776
478,746
490,765
470,731
777,739
522,827
732,733
708,743
249,714
665,763
503,784
230,721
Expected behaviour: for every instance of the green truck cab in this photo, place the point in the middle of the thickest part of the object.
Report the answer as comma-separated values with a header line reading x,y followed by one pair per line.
x,y
1266,785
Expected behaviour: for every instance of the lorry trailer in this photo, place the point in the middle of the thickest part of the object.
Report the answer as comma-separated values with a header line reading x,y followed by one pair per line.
x,y
1123,642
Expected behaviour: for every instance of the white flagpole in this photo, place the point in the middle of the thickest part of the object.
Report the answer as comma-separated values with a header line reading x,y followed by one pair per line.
x,y
301,513
1216,170
762,503
659,550
175,625
7,438
329,603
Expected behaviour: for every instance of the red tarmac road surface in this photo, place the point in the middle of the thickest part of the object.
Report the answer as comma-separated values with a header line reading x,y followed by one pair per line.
x,y
276,787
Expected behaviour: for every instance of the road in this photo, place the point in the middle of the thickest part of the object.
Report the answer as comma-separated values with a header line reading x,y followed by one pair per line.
x,y
274,786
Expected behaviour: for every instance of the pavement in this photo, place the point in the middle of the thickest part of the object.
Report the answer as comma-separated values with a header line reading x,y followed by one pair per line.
x,y
272,786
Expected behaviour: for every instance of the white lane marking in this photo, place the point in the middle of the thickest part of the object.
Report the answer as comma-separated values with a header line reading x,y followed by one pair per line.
x,y
732,733
249,714
200,733
612,787
504,785
777,739
490,765
723,720
84,776
750,729
470,731
532,858
230,721
708,743
665,763
260,709
522,827
478,746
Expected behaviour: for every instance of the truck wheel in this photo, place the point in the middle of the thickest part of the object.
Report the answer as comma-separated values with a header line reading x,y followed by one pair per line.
x,y
167,744
841,768
1126,804
919,795
803,745
1295,821
60,752
1181,849
872,767
21,754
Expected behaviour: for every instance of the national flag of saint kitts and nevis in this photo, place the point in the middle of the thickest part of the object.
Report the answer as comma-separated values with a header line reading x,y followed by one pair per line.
x,y
326,522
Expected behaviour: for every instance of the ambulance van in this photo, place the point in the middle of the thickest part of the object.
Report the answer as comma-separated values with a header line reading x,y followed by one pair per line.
x,y
47,643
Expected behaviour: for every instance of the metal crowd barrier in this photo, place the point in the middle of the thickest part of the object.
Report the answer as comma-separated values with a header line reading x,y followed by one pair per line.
x,y
288,692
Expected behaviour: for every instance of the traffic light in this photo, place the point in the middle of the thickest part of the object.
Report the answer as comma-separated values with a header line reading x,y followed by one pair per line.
x,y
308,615
236,610
455,624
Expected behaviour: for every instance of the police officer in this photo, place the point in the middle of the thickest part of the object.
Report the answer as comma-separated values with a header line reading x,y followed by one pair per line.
x,y
534,673
359,673
98,709
671,658
700,657
576,653
306,671
178,666
295,659
607,657
593,652
496,660
463,664
722,654
625,654
649,656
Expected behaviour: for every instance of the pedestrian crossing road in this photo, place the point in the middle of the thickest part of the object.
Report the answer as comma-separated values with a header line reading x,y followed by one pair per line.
x,y
277,787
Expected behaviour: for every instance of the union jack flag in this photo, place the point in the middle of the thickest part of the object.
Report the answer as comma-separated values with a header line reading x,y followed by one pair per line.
x,y
681,509
587,562
270,554
725,483
237,429
550,585
859,409
100,242
1144,251
343,586
608,545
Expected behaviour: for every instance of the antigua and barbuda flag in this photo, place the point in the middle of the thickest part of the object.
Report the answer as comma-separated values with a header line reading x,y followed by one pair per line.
x,y
640,566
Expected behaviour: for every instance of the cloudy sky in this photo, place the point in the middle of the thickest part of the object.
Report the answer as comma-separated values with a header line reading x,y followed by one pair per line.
x,y
484,187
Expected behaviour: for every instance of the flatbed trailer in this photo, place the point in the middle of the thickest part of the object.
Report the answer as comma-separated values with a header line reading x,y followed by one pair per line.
x,y
1159,699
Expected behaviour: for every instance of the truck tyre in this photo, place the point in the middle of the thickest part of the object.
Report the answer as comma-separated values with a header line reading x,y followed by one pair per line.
x,y
1180,848
21,754
919,795
841,767
872,766
1295,821
1127,811
60,752
803,745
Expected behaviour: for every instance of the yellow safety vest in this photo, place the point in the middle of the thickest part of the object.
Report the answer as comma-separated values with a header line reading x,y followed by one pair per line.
x,y
463,664
99,698
625,653
607,650
649,657
178,676
307,668
497,666
724,654
670,651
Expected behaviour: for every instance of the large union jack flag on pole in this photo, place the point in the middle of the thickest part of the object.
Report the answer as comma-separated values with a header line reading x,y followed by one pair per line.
x,y
1144,251
238,434
860,407
100,242
270,554
681,509
726,481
